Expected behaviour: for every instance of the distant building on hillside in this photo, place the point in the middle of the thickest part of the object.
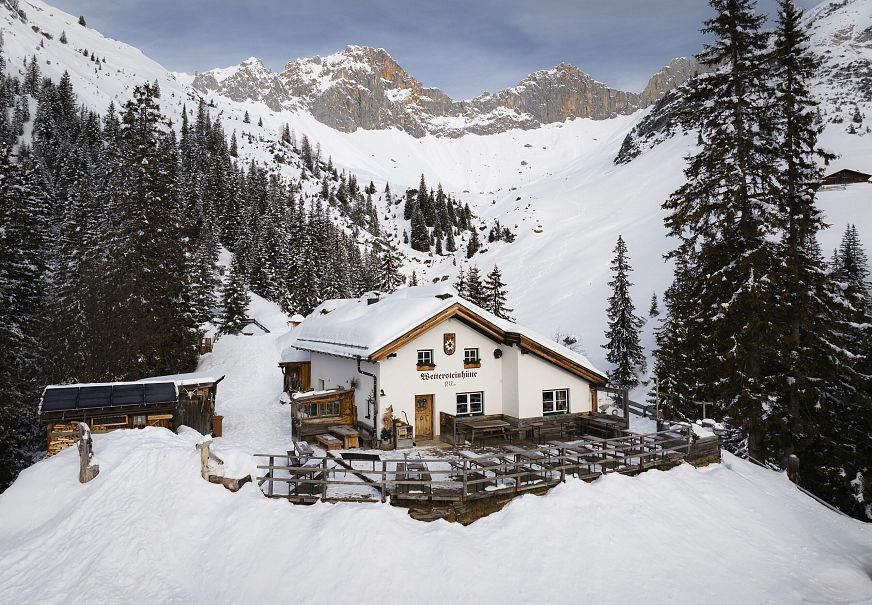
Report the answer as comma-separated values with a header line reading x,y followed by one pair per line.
x,y
170,402
439,363
845,177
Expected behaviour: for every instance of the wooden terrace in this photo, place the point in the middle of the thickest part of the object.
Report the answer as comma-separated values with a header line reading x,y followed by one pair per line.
x,y
303,477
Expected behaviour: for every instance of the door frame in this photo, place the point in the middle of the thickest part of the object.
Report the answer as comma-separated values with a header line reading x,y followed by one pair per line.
x,y
431,397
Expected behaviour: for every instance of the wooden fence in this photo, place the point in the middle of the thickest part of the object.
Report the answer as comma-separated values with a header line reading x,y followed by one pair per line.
x,y
499,472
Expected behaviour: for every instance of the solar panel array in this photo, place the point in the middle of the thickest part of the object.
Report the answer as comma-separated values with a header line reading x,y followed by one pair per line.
x,y
62,399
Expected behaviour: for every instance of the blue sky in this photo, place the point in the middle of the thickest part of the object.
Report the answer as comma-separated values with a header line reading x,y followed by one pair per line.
x,y
463,47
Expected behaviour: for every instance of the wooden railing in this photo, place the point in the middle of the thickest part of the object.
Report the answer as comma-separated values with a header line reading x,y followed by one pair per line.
x,y
465,477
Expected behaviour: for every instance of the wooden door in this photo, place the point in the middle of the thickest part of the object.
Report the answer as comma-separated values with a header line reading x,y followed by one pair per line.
x,y
423,416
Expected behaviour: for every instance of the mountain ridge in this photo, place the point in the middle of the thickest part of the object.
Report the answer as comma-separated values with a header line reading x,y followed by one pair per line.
x,y
363,87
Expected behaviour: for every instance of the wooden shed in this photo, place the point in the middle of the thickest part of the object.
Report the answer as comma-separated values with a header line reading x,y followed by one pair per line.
x,y
845,177
125,405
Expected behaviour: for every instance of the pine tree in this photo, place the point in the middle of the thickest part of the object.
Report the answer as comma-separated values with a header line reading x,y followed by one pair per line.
x,y
82,21
475,290
260,122
236,300
389,270
63,38
460,284
306,153
724,219
246,119
473,245
413,280
24,207
420,237
654,309
808,367
624,348
495,292
234,149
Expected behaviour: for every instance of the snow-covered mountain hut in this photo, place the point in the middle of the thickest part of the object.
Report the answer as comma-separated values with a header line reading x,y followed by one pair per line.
x,y
441,364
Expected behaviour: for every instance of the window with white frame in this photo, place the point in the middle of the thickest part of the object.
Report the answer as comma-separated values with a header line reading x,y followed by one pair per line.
x,y
471,356
555,402
470,404
425,357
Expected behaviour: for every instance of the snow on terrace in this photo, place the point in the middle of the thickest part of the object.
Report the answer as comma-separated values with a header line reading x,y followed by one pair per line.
x,y
355,327
150,529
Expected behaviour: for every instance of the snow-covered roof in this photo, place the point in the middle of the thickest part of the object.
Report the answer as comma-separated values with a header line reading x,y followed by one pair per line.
x,y
361,327
184,379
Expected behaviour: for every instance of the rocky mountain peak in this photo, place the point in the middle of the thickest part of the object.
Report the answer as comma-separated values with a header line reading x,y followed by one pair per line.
x,y
364,87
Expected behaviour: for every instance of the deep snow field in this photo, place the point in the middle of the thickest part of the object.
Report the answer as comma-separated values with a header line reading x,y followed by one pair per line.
x,y
149,529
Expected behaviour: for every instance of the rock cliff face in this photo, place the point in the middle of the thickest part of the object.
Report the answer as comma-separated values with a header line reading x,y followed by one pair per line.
x,y
362,87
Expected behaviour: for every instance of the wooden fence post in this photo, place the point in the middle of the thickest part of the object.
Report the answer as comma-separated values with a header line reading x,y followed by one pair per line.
x,y
384,481
689,438
793,468
324,478
463,470
87,471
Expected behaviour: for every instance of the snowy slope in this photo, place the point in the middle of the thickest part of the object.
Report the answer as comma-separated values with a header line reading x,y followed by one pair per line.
x,y
555,186
149,529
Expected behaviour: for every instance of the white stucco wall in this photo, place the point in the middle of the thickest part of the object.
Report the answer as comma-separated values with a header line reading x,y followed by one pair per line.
x,y
537,375
401,379
512,384
341,372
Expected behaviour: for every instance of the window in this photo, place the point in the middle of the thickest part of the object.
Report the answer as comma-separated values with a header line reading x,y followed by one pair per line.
x,y
470,404
139,421
319,410
555,402
425,357
471,356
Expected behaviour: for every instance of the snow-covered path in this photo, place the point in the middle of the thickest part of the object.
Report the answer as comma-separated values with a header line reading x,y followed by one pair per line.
x,y
248,397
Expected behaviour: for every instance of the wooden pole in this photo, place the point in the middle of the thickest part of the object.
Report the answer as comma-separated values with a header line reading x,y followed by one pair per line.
x,y
87,471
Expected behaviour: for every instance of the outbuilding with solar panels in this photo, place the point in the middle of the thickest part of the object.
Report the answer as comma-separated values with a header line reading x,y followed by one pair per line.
x,y
126,405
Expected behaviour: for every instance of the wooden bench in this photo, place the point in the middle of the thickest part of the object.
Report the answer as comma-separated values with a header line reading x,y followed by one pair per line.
x,y
328,442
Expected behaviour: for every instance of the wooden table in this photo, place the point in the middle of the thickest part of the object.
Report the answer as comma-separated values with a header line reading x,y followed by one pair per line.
x,y
350,437
485,427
